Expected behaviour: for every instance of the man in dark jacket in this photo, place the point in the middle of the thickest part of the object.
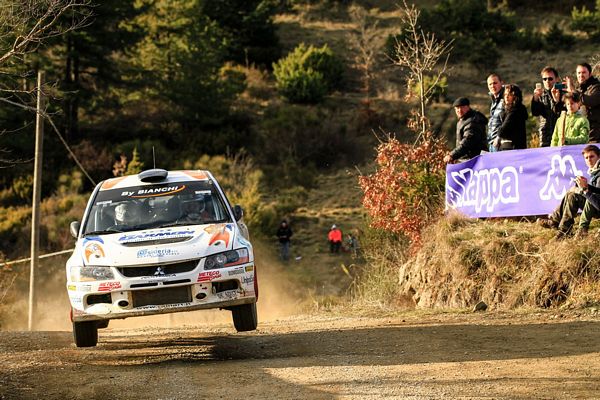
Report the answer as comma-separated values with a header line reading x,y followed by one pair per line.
x,y
589,88
284,234
580,197
545,107
470,132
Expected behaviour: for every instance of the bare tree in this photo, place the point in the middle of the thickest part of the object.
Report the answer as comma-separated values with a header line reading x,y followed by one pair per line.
x,y
420,53
365,40
25,26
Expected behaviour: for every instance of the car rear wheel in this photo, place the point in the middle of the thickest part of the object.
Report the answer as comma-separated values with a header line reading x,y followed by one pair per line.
x,y
85,333
245,317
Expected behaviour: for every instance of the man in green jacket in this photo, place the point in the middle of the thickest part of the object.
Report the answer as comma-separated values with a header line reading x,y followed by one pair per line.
x,y
571,127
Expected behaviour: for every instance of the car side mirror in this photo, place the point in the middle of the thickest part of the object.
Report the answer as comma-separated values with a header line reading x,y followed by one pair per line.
x,y
74,228
238,212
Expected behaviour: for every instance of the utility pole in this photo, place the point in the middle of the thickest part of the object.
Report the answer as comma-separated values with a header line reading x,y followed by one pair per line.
x,y
37,189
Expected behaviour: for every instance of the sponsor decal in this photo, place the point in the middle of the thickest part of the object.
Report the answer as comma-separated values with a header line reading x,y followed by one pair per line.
x,y
208,276
145,253
85,288
154,192
236,271
157,275
93,251
76,300
486,188
110,183
220,234
249,268
168,234
72,288
163,306
228,294
108,286
247,280
93,239
197,174
558,179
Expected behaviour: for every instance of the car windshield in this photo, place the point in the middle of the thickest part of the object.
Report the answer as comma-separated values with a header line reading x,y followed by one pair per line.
x,y
155,206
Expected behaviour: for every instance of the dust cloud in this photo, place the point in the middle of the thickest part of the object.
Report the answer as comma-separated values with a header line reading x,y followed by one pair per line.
x,y
278,298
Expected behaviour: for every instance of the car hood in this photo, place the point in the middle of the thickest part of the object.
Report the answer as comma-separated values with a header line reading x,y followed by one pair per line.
x,y
159,245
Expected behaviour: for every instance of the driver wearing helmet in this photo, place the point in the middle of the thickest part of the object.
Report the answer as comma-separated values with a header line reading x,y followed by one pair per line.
x,y
127,214
195,211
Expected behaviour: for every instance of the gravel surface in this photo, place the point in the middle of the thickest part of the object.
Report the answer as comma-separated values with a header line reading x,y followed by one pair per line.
x,y
495,355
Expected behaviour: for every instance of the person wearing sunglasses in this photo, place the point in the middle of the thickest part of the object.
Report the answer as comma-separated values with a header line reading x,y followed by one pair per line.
x,y
546,107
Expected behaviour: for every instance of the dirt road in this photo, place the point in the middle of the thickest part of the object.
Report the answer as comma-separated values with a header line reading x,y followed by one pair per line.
x,y
416,355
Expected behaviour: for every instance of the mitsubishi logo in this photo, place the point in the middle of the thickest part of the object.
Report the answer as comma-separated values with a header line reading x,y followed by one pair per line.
x,y
159,271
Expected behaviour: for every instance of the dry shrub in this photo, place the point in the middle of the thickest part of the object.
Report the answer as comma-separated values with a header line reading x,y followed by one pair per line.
x,y
505,263
376,285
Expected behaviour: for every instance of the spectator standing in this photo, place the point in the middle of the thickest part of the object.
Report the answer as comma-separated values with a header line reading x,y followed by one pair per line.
x,y
513,132
571,127
470,132
496,88
576,199
353,244
335,239
589,89
284,234
545,107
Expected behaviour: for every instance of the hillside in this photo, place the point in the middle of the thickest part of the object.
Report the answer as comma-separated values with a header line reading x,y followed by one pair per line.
x,y
508,264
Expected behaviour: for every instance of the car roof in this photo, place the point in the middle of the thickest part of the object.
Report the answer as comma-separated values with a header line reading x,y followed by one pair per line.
x,y
171,177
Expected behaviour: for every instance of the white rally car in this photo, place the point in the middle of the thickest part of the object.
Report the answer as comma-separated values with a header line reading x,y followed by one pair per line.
x,y
159,242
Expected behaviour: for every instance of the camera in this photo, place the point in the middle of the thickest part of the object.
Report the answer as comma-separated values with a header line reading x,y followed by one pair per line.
x,y
560,86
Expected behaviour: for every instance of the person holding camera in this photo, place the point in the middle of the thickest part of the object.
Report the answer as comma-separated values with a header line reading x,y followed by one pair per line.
x,y
545,107
572,127
578,198
589,89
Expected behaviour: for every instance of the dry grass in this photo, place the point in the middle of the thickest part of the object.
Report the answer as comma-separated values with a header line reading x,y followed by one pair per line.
x,y
505,263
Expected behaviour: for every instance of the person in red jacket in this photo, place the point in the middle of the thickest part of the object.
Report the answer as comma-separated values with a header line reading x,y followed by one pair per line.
x,y
335,239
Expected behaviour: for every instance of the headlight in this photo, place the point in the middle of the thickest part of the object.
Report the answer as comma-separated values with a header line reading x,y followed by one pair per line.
x,y
86,274
227,259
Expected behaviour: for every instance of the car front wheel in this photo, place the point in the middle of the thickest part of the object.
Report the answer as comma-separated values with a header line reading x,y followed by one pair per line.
x,y
85,333
245,317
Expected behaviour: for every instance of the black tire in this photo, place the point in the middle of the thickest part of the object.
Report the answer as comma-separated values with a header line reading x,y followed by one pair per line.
x,y
102,324
245,317
85,333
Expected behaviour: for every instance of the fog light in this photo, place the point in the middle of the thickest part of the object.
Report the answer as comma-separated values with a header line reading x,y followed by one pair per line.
x,y
200,295
123,303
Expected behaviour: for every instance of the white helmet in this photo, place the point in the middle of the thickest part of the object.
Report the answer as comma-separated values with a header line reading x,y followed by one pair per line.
x,y
127,214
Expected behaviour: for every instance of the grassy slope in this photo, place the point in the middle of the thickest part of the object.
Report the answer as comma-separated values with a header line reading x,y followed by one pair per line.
x,y
336,199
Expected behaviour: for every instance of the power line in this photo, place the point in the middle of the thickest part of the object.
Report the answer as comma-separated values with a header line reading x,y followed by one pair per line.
x,y
22,260
64,142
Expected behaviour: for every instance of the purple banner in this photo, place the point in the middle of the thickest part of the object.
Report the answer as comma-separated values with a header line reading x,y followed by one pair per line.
x,y
513,183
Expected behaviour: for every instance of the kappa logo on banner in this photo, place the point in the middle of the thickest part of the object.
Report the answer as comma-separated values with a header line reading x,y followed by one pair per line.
x,y
558,180
483,189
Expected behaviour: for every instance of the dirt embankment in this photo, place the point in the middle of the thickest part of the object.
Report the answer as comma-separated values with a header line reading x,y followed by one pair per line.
x,y
419,356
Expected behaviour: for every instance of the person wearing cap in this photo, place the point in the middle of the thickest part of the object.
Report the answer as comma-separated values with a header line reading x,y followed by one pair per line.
x,y
470,132
335,239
